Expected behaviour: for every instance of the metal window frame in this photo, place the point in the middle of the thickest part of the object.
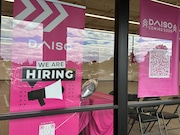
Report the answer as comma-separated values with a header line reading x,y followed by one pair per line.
x,y
121,66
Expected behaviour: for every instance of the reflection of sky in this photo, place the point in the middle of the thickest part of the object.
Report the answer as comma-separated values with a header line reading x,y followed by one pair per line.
x,y
143,45
6,38
6,51
75,41
14,42
99,35
6,23
21,52
98,45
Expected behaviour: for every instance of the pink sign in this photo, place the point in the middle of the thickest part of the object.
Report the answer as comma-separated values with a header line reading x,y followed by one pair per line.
x,y
158,50
46,65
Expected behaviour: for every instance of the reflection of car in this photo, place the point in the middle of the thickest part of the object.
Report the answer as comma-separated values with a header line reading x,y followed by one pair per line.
x,y
17,72
101,71
93,73
111,74
98,72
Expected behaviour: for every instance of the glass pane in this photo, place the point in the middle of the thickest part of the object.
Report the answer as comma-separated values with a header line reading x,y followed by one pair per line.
x,y
153,59
49,61
32,51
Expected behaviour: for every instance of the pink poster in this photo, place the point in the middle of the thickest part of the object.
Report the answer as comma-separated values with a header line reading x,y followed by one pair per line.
x,y
46,65
158,50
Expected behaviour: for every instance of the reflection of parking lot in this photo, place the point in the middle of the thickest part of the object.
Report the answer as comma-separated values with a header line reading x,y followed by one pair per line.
x,y
5,71
4,96
99,74
4,101
103,70
4,104
17,77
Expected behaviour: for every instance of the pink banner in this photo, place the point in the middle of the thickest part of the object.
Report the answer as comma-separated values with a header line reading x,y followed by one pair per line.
x,y
46,65
158,52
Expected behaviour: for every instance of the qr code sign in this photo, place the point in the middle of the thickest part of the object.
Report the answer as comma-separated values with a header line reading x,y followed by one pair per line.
x,y
159,64
47,129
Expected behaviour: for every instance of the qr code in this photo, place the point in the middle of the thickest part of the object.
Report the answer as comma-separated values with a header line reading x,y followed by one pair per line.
x,y
159,64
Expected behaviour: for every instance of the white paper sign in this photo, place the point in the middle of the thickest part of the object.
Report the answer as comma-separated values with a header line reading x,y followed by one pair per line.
x,y
47,129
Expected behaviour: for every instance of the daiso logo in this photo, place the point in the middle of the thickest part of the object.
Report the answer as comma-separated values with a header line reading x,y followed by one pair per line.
x,y
162,24
158,25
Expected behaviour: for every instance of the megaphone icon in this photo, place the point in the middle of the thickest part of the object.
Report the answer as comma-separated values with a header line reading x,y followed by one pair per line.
x,y
54,90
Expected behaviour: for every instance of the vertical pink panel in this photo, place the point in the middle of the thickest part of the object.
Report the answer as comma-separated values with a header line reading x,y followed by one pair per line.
x,y
160,22
44,74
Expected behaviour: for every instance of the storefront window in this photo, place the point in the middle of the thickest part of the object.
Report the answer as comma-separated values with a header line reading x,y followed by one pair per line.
x,y
50,60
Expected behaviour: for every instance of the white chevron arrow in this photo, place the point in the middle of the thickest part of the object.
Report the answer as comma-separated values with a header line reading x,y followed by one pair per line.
x,y
41,17
29,9
63,14
47,12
